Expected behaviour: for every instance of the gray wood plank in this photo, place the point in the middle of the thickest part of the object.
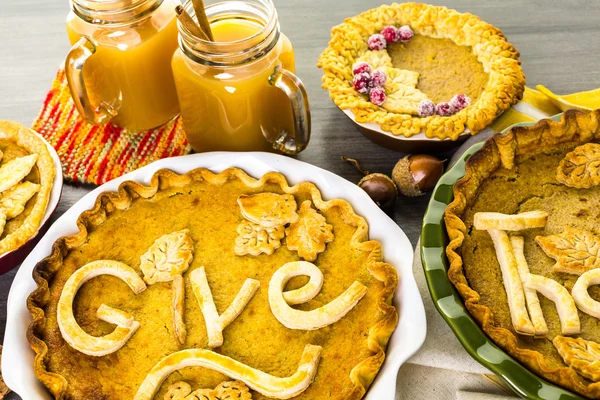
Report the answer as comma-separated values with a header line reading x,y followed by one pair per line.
x,y
558,40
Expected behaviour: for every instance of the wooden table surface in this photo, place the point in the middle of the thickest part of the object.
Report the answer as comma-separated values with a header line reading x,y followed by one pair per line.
x,y
559,41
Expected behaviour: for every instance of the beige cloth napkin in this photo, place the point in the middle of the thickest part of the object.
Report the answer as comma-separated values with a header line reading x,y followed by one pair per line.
x,y
442,369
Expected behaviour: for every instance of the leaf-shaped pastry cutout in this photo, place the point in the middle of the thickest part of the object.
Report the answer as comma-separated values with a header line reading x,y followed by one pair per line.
x,y
575,250
376,59
269,210
581,355
230,390
310,234
397,76
255,239
15,170
170,255
404,100
12,201
581,167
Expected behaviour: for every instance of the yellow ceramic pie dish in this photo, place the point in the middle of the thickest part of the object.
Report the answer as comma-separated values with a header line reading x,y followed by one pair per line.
x,y
199,273
446,54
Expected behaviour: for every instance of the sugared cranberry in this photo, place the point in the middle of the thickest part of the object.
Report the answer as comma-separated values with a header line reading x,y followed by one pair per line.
x,y
360,67
362,82
444,109
405,33
460,101
376,42
426,108
377,96
379,77
390,33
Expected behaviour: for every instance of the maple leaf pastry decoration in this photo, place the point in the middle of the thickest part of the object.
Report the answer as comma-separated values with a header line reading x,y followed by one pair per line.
x,y
581,167
575,250
310,234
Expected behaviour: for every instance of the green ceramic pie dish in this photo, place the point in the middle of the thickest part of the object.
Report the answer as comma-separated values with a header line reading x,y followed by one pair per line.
x,y
434,240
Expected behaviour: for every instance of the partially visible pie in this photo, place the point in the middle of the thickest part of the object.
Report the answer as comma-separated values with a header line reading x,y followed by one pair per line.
x,y
26,177
415,68
213,286
538,187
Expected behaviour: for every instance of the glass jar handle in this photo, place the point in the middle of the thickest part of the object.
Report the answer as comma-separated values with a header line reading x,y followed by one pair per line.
x,y
76,58
294,89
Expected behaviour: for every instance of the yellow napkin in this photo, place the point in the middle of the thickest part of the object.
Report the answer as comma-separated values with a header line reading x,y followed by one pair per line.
x,y
542,103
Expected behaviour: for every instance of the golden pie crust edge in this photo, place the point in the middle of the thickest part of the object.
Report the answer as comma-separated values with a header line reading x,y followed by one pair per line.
x,y
504,151
349,41
28,140
362,375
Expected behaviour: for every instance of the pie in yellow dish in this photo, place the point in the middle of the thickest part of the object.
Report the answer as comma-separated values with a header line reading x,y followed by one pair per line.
x,y
213,286
524,246
26,176
415,68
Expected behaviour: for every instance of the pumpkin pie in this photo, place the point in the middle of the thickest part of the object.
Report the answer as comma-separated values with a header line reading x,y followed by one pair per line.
x,y
524,246
213,286
415,68
26,177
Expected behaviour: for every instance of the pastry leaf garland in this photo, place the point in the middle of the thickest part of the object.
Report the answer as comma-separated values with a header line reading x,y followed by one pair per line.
x,y
581,167
575,250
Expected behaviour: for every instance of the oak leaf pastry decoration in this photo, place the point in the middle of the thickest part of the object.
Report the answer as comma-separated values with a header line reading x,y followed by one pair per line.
x,y
581,355
575,250
377,59
581,167
255,239
15,170
229,390
310,234
168,256
269,210
13,200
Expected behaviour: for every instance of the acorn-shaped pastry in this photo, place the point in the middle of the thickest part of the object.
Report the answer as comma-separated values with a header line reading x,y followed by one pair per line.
x,y
416,174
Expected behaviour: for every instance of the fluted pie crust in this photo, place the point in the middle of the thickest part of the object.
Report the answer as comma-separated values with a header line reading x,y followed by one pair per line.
x,y
502,155
44,170
380,277
499,59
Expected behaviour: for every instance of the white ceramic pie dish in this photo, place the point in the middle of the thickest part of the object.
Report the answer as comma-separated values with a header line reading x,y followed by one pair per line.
x,y
13,258
17,360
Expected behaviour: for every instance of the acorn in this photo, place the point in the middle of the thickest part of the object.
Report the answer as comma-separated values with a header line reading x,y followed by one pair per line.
x,y
380,187
417,173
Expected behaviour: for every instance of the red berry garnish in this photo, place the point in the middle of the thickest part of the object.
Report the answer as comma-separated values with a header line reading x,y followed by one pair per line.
x,y
376,42
460,101
426,108
379,77
444,109
361,66
390,33
377,96
362,83
405,33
